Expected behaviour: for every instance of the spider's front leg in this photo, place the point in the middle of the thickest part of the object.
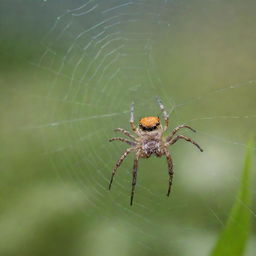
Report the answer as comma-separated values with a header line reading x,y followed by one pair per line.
x,y
166,116
171,142
170,170
132,118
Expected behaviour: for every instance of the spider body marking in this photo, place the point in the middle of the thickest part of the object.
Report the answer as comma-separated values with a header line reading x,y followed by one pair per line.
x,y
150,141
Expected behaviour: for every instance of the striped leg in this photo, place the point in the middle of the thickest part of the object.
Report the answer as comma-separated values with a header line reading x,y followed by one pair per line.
x,y
170,170
132,118
177,129
184,138
118,163
125,133
131,143
166,116
134,176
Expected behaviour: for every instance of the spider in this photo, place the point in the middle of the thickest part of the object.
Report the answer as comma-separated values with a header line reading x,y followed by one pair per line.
x,y
149,141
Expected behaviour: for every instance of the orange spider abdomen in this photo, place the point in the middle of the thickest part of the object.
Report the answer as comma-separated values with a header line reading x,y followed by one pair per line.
x,y
149,121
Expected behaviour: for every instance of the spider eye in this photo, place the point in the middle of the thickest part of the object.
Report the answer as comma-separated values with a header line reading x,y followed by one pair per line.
x,y
150,128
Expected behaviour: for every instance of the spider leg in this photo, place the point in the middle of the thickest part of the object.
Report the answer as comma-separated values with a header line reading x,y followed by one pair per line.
x,y
125,133
134,176
118,163
170,170
177,129
166,116
184,138
131,143
132,118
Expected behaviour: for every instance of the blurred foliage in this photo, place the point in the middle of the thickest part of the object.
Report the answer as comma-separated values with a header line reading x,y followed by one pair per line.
x,y
55,158
233,238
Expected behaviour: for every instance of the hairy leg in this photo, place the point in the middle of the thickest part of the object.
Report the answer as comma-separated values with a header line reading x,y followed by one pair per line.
x,y
170,170
118,163
125,133
166,116
132,118
184,138
134,176
177,129
131,143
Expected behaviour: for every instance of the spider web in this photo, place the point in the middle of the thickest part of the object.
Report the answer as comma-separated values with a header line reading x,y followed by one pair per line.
x,y
99,56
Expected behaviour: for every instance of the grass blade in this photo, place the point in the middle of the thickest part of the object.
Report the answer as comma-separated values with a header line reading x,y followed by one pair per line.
x,y
233,238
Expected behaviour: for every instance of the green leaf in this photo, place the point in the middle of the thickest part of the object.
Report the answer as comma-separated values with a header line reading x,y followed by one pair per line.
x,y
233,238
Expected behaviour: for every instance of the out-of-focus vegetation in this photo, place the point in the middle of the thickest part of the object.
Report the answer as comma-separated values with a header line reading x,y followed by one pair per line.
x,y
233,238
55,156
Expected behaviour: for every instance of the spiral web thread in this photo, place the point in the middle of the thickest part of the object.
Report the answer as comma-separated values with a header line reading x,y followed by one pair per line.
x,y
91,51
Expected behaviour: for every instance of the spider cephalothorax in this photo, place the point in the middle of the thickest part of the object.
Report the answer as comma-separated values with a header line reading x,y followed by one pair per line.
x,y
149,123
150,141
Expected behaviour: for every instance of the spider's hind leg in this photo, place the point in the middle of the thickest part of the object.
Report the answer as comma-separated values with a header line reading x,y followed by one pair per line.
x,y
118,163
134,176
170,170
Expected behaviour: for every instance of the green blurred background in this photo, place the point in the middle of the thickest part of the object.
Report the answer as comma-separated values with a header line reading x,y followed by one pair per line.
x,y
68,73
